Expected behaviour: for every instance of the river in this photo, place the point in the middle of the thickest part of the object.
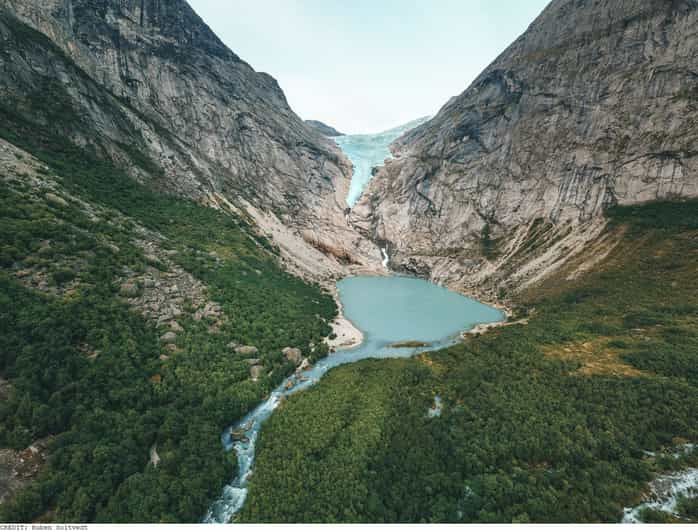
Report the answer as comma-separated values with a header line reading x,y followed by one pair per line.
x,y
388,310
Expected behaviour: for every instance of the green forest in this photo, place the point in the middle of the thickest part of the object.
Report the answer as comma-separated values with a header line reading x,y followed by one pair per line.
x,y
543,422
563,418
88,373
104,413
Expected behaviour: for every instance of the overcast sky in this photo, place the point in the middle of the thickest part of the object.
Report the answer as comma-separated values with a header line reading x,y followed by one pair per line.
x,y
364,66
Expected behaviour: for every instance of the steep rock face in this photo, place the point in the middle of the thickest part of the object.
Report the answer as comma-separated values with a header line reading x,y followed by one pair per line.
x,y
323,128
147,84
596,104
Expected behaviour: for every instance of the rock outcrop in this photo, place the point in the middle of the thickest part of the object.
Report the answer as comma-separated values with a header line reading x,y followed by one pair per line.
x,y
19,468
323,128
595,104
149,86
256,372
246,350
292,354
169,337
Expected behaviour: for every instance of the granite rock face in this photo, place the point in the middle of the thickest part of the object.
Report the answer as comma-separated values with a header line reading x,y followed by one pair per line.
x,y
323,128
146,84
595,104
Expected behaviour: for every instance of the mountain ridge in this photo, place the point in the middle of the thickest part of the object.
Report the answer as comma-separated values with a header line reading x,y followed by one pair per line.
x,y
592,106
208,126
323,128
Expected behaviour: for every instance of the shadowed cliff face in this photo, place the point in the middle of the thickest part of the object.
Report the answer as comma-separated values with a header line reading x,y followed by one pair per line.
x,y
596,104
147,84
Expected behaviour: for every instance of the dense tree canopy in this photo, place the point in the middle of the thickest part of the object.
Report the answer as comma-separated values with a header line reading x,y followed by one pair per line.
x,y
106,411
544,422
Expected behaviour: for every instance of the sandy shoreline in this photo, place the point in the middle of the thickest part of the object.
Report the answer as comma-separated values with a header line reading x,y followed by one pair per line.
x,y
347,334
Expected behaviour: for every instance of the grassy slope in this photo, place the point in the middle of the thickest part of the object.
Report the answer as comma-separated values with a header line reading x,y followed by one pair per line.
x,y
542,422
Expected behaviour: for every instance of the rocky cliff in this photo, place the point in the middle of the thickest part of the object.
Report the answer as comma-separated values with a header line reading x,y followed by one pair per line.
x,y
595,104
323,128
147,84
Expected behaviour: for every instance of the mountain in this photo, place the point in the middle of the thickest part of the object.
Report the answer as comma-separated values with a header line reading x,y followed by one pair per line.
x,y
323,128
593,106
559,182
148,86
156,197
170,233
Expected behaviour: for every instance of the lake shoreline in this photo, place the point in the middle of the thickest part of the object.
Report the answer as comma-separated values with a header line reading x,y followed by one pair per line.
x,y
392,310
347,335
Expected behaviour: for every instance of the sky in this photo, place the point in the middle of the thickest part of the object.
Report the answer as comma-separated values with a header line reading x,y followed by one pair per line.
x,y
364,66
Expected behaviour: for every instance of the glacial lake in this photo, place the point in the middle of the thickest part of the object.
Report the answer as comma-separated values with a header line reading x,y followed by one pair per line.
x,y
388,310
394,309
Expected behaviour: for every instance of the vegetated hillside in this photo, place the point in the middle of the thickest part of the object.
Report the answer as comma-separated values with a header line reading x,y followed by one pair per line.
x,y
546,420
594,105
136,322
122,313
149,87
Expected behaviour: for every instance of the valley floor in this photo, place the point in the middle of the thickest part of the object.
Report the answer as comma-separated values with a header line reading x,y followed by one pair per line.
x,y
133,322
564,418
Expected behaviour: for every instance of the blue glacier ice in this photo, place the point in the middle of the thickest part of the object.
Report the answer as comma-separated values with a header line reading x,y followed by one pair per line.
x,y
368,151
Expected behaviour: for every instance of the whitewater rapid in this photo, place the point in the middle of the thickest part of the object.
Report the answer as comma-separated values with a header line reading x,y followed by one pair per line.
x,y
247,430
667,490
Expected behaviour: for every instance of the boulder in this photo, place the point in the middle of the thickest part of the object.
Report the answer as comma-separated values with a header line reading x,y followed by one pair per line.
x,y
212,310
256,372
238,435
169,337
129,289
56,200
176,327
248,350
292,354
254,361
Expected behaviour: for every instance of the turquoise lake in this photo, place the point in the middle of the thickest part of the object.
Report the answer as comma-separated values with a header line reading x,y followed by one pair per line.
x,y
392,309
387,310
